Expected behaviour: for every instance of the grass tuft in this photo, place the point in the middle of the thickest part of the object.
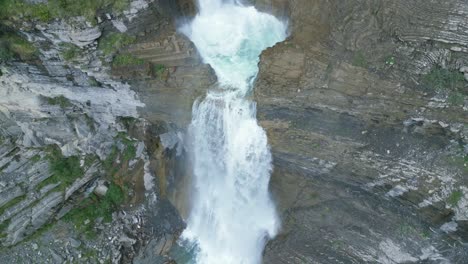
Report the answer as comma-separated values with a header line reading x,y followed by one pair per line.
x,y
70,51
439,79
454,198
360,60
59,9
94,207
64,169
112,42
13,46
61,100
126,60
11,203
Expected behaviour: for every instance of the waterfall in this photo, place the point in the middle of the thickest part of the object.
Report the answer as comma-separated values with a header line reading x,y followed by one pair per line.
x,y
232,215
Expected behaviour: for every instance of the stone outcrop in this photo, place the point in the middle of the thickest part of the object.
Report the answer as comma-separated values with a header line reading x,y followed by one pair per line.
x,y
370,159
106,118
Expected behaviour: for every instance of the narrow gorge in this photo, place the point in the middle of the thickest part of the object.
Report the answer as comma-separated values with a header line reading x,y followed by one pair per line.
x,y
234,131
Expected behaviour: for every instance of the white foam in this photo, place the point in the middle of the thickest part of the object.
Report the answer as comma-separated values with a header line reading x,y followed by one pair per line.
x,y
232,214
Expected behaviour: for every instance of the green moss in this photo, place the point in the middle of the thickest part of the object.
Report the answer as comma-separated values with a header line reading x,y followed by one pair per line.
x,y
126,60
439,79
90,122
129,151
46,227
159,70
115,195
425,234
5,53
67,168
20,8
114,41
90,254
59,9
108,163
4,226
61,100
93,82
63,169
14,46
35,158
454,198
456,98
11,203
94,207
70,51
90,160
360,60
390,61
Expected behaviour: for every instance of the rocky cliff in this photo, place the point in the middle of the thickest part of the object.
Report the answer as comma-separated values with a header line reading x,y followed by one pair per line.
x,y
92,96
365,105
367,113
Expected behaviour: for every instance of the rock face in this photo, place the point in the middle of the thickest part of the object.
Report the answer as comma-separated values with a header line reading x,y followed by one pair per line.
x,y
178,77
105,120
365,105
369,143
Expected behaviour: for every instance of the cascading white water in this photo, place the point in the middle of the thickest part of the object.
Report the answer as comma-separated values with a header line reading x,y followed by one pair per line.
x,y
232,215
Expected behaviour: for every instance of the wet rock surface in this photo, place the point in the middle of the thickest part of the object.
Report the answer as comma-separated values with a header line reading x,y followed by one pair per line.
x,y
370,153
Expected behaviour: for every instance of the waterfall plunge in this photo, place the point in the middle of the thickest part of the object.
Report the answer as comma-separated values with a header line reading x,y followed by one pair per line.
x,y
232,215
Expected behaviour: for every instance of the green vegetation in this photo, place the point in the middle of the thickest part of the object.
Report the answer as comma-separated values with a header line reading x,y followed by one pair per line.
x,y
93,82
70,51
129,151
90,122
4,226
20,8
360,60
127,121
89,160
38,233
36,158
11,203
454,198
112,42
59,9
390,61
14,46
439,79
64,169
90,254
459,161
159,70
94,207
456,98
126,60
116,172
61,100
407,230
109,161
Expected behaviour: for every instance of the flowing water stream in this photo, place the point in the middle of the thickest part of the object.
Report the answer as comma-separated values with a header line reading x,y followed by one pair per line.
x,y
232,215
